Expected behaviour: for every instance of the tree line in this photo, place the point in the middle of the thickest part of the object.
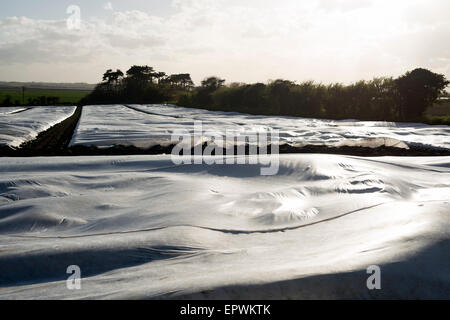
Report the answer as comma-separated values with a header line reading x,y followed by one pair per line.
x,y
140,84
402,99
390,99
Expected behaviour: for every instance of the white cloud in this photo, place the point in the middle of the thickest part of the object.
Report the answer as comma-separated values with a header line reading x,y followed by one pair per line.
x,y
241,41
108,6
344,5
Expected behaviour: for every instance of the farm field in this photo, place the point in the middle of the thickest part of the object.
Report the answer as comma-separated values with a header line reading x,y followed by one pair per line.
x,y
106,126
64,95
224,159
17,128
143,126
9,110
140,227
143,227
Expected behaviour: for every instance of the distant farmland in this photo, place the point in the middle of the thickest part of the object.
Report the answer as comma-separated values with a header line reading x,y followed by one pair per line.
x,y
64,95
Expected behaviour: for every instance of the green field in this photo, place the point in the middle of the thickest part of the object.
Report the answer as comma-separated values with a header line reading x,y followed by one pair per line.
x,y
438,114
64,95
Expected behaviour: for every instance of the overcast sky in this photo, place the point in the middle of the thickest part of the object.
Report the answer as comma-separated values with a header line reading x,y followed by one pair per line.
x,y
244,41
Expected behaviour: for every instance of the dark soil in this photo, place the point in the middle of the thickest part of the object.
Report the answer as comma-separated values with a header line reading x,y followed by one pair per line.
x,y
52,142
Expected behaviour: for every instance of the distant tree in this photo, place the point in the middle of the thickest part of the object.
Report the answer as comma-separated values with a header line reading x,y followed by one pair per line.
x,y
107,76
180,81
138,86
417,90
212,83
308,99
383,101
110,77
405,98
203,96
254,98
236,84
141,74
186,81
279,96
160,76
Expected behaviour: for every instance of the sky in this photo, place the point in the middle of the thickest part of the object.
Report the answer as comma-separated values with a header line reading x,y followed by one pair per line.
x,y
240,41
